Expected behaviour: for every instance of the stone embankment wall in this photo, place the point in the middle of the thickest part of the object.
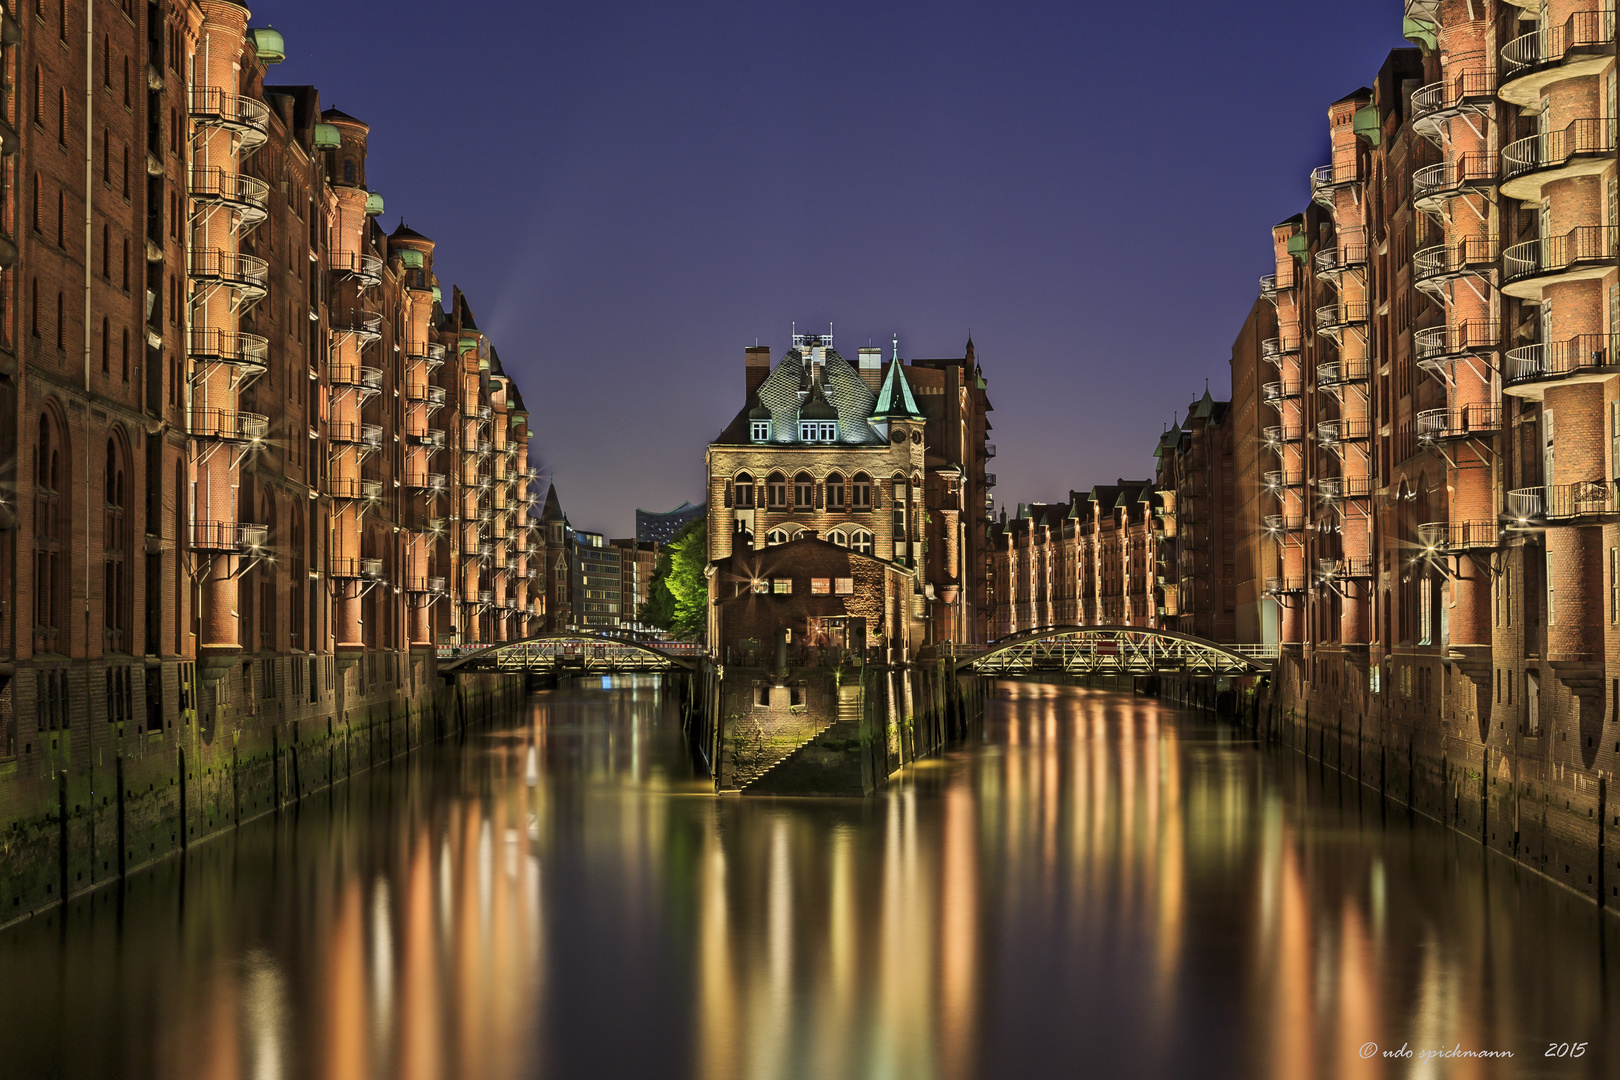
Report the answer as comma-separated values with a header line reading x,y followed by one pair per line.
x,y
1534,798
87,819
826,730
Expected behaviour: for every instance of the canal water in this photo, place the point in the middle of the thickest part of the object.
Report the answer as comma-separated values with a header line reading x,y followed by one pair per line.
x,y
1100,886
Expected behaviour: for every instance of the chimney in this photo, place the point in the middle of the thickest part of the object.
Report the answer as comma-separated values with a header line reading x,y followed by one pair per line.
x,y
871,366
756,366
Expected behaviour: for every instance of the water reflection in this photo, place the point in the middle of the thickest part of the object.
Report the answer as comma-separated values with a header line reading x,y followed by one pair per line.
x,y
1100,886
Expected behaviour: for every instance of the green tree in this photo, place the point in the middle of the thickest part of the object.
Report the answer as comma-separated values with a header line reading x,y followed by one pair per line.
x,y
679,598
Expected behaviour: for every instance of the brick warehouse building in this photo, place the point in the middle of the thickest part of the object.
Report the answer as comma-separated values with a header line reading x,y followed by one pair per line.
x,y
886,460
1425,439
258,467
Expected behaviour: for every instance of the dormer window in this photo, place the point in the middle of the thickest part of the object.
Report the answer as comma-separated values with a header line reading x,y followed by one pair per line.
x,y
818,430
761,430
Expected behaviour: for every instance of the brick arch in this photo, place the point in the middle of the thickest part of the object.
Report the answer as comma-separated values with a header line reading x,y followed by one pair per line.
x,y
52,475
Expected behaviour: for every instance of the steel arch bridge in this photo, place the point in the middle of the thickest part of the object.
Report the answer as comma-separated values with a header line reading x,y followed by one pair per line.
x,y
579,653
1113,650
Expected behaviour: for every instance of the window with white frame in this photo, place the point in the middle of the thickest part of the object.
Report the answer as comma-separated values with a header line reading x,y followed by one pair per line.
x,y
861,542
761,430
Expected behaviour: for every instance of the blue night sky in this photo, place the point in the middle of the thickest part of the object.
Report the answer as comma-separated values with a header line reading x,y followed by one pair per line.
x,y
630,193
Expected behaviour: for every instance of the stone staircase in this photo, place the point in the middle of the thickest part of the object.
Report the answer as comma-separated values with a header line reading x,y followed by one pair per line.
x,y
846,723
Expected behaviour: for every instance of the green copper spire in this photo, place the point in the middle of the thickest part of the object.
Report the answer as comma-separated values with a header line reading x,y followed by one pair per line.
x,y
894,400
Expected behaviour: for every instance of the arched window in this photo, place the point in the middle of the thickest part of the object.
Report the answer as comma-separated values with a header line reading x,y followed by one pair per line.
x,y
776,491
783,534
61,117
744,491
115,544
348,171
861,542
51,531
39,205
835,492
861,492
61,320
61,217
838,537
33,306
804,491
124,355
106,345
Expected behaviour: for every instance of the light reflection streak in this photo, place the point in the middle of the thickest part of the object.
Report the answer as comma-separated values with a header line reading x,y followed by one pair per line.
x,y
1098,848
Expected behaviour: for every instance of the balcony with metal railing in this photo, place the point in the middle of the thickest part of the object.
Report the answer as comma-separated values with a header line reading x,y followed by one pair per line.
x,y
228,536
1279,586
1433,267
366,325
247,118
350,568
1473,421
368,380
247,197
228,425
1587,251
1438,345
1584,499
1582,148
432,438
1277,524
1281,390
1333,434
1276,435
354,488
1432,185
248,353
433,355
1276,480
1333,319
1333,488
366,436
1471,88
431,586
1339,373
1275,348
1340,569
425,481
1328,179
1347,251
246,275
1436,536
1579,46
1525,503
1583,358
363,267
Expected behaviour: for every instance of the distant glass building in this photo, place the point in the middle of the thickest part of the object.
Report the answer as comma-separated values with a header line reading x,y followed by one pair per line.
x,y
661,528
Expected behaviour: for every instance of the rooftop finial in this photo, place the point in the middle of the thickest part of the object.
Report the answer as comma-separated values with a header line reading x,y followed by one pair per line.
x,y
896,346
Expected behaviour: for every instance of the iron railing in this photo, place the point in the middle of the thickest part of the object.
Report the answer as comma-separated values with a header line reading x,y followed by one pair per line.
x,y
1435,343
245,272
1458,535
1470,88
228,536
229,425
1555,149
1589,244
1462,422
1556,359
209,345
1583,33
1432,183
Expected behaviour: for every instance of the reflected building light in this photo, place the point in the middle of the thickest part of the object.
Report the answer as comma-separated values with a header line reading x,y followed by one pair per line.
x,y
382,970
264,1011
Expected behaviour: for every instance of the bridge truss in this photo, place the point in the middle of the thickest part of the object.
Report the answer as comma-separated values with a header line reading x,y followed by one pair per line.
x,y
574,654
1113,650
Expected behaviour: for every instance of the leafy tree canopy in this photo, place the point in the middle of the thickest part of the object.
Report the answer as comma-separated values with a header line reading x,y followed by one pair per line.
x,y
679,598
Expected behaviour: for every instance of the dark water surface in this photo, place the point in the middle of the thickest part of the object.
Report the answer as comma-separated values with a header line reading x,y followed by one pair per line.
x,y
1102,887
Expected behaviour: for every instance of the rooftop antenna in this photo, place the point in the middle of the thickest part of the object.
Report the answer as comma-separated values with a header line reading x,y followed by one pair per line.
x,y
896,347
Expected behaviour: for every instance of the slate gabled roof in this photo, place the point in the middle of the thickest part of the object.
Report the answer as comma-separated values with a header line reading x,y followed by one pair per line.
x,y
553,510
846,391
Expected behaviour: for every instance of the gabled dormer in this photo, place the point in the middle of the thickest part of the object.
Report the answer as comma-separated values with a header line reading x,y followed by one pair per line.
x,y
895,403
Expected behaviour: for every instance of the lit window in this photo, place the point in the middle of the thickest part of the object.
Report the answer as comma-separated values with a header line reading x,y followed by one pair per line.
x,y
782,586
845,586
820,586
762,430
